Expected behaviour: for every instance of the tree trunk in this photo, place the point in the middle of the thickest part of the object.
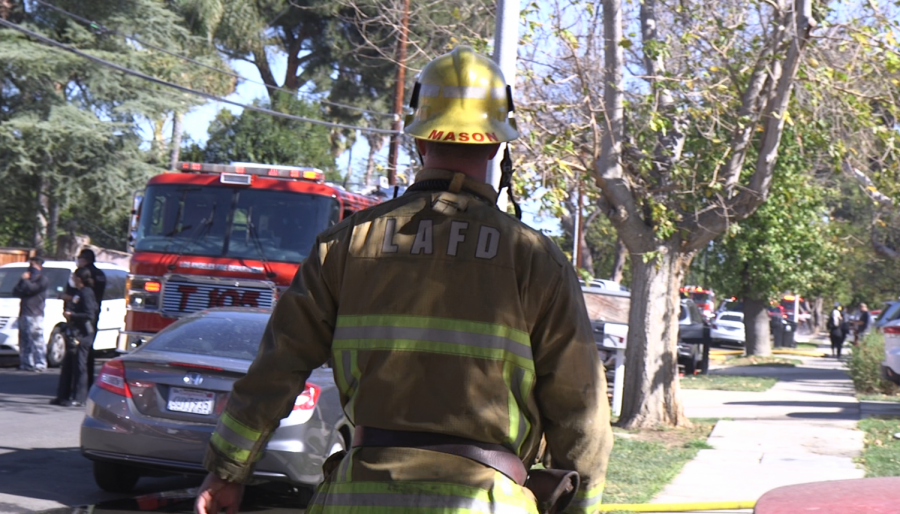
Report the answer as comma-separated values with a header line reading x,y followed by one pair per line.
x,y
818,316
585,259
756,327
651,363
619,263
52,221
42,209
370,164
177,131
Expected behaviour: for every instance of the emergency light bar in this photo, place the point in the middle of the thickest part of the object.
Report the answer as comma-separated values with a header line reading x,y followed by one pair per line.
x,y
249,169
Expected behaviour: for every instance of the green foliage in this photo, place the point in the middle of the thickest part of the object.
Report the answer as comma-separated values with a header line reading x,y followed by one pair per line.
x,y
68,128
786,244
864,366
257,137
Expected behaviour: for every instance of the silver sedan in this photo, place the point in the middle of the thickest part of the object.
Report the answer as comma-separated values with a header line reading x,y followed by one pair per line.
x,y
153,410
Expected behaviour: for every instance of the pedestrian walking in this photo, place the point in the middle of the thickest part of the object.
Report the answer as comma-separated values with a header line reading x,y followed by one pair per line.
x,y
80,314
837,329
862,324
458,335
32,292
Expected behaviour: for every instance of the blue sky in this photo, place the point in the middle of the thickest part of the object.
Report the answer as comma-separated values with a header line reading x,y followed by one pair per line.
x,y
197,120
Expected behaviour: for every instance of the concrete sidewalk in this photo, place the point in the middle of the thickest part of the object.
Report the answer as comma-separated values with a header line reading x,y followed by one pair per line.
x,y
802,430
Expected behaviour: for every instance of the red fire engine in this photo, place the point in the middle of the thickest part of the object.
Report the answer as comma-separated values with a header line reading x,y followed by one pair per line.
x,y
212,235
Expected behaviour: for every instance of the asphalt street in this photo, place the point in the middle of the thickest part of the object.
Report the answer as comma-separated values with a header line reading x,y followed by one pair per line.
x,y
41,466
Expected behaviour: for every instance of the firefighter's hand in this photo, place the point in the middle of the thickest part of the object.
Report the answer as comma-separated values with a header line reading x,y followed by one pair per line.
x,y
217,494
26,275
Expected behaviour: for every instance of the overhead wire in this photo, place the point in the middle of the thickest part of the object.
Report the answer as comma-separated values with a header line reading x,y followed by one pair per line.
x,y
104,29
184,89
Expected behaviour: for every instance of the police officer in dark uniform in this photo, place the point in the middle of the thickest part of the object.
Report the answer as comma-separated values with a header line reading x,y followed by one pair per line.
x,y
86,259
80,314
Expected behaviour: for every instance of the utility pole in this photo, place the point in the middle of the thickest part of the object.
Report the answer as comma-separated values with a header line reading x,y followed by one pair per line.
x,y
576,232
579,227
506,42
394,149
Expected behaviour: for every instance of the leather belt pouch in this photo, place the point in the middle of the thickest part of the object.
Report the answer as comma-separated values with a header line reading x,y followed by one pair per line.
x,y
554,489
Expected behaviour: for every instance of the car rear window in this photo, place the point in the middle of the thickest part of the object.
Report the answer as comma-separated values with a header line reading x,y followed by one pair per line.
x,y
731,317
601,307
217,336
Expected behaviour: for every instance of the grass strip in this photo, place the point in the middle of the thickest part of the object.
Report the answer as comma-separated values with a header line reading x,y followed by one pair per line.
x,y
881,454
758,360
876,397
728,383
643,462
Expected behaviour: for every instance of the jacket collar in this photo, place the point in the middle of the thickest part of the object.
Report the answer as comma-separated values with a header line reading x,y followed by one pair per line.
x,y
481,189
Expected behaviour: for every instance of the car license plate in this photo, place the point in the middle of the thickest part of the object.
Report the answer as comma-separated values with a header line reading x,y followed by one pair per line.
x,y
191,400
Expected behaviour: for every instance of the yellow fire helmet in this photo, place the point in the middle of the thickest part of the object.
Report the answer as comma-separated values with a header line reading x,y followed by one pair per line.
x,y
462,97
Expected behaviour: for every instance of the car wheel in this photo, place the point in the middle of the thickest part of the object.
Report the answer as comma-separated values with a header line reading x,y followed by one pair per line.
x,y
56,348
115,478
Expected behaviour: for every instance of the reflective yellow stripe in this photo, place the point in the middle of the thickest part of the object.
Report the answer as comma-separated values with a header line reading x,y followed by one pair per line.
x,y
586,500
347,374
231,451
434,335
240,428
519,382
418,498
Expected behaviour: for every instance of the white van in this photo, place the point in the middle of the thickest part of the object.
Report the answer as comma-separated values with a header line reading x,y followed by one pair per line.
x,y
112,307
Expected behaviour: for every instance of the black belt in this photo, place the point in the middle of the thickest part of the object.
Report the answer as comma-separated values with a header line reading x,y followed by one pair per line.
x,y
491,455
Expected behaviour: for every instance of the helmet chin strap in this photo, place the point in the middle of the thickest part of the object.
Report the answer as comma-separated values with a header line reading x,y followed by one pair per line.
x,y
506,172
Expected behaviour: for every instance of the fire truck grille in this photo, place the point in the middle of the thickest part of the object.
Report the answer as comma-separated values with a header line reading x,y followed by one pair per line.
x,y
184,297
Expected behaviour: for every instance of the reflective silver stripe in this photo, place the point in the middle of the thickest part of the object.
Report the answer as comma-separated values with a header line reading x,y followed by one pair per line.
x,y
430,501
498,92
430,90
586,503
435,335
465,92
516,386
226,433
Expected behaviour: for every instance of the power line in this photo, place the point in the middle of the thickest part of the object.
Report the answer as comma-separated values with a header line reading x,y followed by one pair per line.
x,y
209,96
104,29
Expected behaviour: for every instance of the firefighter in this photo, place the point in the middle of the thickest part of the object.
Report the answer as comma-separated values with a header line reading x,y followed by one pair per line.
x,y
458,336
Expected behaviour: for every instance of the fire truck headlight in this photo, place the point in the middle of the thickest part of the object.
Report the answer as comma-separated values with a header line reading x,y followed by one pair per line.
x,y
142,293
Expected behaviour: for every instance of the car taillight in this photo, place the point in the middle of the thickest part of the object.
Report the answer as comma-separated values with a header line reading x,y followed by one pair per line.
x,y
308,398
891,330
112,378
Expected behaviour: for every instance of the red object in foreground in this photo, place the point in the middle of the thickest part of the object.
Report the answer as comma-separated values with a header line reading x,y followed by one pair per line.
x,y
861,496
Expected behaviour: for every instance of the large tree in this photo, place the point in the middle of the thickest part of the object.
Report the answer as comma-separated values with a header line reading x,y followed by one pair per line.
x,y
69,127
258,137
786,245
708,85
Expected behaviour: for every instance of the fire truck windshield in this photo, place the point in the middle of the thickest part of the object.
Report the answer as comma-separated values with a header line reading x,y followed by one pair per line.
x,y
219,221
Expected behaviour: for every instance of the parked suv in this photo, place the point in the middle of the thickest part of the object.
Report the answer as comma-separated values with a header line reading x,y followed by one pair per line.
x,y
112,308
691,327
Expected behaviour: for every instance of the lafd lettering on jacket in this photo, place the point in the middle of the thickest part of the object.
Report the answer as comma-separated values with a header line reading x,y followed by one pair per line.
x,y
421,237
